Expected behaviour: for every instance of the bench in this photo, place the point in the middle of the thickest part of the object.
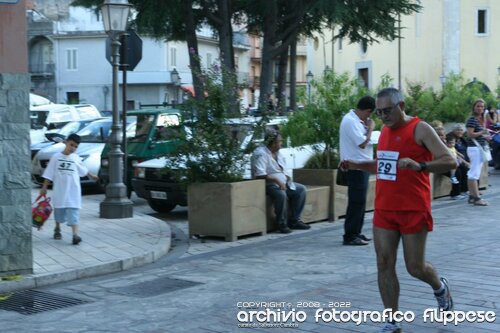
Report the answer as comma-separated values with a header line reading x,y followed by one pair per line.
x,y
441,185
315,209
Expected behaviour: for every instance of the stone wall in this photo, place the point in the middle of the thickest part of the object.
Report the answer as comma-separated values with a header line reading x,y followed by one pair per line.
x,y
15,180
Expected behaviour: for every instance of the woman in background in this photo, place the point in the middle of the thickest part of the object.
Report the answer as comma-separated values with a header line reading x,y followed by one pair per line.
x,y
476,139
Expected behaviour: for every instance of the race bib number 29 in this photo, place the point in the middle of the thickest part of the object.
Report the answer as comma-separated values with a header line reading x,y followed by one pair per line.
x,y
387,164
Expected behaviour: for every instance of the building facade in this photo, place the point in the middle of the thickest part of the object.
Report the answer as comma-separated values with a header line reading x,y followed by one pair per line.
x,y
67,52
446,36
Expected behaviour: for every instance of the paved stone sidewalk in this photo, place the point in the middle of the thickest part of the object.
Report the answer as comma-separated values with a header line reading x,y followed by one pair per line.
x,y
109,245
304,270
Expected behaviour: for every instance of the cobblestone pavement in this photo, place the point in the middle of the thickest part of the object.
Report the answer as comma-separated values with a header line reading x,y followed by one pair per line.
x,y
199,286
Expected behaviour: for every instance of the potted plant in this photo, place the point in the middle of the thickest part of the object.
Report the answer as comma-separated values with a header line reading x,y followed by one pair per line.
x,y
319,122
210,161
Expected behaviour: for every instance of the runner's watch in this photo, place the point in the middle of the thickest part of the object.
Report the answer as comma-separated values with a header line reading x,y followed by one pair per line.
x,y
423,166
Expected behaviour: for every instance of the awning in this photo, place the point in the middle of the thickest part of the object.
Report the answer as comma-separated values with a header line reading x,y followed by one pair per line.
x,y
36,100
188,88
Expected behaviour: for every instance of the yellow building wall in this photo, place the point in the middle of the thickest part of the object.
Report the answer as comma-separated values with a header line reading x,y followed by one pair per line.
x,y
440,38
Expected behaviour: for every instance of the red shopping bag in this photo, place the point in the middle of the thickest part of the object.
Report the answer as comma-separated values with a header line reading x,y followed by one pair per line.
x,y
41,211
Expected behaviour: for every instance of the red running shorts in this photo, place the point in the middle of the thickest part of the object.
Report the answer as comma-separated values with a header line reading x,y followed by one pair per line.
x,y
406,222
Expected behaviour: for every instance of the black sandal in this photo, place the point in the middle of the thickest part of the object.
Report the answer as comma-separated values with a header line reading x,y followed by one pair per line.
x,y
480,202
57,234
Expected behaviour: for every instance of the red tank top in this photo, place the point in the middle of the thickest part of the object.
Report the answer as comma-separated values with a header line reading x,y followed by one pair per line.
x,y
403,190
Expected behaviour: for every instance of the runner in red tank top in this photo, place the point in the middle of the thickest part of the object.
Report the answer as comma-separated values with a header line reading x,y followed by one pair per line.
x,y
402,203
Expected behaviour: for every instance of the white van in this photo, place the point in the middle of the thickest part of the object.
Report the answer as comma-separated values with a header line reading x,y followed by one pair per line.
x,y
163,193
55,116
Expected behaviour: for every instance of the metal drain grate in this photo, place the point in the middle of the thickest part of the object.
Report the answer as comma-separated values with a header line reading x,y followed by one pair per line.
x,y
155,287
28,302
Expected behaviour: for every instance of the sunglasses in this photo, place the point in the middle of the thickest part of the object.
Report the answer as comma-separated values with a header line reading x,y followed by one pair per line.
x,y
385,111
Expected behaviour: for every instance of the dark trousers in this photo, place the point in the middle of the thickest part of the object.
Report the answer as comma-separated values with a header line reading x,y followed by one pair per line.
x,y
295,199
461,175
356,203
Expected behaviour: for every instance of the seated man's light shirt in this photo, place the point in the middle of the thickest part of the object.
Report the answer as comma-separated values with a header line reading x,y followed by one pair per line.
x,y
265,164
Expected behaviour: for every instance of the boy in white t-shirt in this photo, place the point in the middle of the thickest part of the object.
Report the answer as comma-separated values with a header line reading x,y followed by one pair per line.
x,y
64,170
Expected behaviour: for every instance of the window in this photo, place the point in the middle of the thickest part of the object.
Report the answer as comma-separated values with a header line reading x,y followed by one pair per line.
x,y
363,77
71,59
209,60
364,46
173,56
482,22
73,97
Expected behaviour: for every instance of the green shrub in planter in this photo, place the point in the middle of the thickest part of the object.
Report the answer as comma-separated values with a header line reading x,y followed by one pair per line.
x,y
210,151
334,95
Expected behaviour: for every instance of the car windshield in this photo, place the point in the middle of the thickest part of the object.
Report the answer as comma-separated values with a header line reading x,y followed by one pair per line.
x,y
38,119
98,131
163,127
73,127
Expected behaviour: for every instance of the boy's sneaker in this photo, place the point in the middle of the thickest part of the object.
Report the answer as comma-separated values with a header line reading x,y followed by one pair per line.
x,y
76,240
444,299
391,328
458,197
57,234
454,180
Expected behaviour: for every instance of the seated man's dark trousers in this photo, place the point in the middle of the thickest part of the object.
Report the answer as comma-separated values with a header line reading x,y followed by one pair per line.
x,y
356,204
281,199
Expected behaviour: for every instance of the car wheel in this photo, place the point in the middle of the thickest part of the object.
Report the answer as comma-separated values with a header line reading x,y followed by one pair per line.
x,y
161,206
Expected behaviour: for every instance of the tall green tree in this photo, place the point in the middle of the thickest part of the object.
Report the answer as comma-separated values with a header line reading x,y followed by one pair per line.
x,y
281,22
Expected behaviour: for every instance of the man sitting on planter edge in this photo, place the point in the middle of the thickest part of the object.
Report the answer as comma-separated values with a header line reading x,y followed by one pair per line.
x,y
269,164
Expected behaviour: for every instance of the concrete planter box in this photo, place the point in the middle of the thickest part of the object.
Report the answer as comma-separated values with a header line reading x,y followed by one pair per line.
x,y
227,210
441,185
338,194
316,207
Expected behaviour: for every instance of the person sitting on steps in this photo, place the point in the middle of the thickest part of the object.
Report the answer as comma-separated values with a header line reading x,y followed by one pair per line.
x,y
269,164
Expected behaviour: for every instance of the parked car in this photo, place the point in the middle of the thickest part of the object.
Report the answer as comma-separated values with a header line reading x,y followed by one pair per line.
x,y
55,116
94,137
55,136
164,193
153,136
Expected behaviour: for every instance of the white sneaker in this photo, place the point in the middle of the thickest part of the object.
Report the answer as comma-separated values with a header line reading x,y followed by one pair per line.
x,y
454,180
391,328
444,299
458,197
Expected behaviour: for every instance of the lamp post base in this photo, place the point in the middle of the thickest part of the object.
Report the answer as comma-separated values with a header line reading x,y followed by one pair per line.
x,y
116,209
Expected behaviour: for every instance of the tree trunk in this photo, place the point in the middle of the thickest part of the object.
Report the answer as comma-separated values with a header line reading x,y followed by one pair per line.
x,y
293,75
225,31
267,70
192,43
282,67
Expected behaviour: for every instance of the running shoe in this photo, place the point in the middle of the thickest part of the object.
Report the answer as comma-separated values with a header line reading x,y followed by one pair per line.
x,y
391,328
444,299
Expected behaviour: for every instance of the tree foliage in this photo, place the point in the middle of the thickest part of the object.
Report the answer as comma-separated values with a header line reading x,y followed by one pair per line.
x,y
334,95
451,104
279,22
211,151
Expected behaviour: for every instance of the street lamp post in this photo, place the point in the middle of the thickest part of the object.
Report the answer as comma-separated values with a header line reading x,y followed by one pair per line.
x,y
309,78
442,78
116,204
176,80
